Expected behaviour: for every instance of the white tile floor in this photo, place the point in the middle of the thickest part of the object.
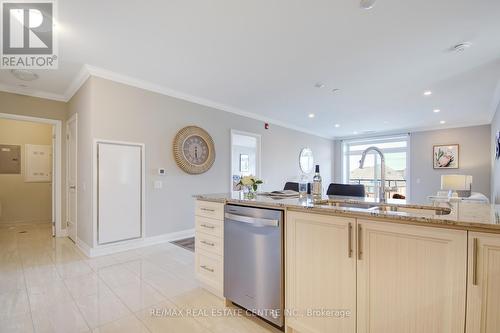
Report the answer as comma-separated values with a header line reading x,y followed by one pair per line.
x,y
47,285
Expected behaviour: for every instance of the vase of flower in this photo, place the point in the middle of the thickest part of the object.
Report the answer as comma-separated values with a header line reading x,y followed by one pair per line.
x,y
249,185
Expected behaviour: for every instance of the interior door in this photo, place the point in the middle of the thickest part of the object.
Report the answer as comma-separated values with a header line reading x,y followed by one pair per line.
x,y
119,191
71,155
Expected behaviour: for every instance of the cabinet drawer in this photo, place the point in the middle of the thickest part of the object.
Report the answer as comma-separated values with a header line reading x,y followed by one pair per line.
x,y
206,242
209,269
214,210
209,226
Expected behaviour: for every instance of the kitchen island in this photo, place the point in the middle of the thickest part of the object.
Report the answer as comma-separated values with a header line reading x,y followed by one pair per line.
x,y
357,265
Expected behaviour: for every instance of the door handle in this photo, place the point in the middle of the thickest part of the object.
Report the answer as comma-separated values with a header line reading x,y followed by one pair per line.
x,y
255,221
360,247
207,268
349,240
474,261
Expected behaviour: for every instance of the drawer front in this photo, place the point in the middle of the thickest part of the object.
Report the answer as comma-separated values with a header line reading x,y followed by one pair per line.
x,y
209,226
206,242
213,210
209,269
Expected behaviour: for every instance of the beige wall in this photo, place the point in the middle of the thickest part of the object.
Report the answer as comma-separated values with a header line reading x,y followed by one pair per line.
x,y
114,111
40,108
21,201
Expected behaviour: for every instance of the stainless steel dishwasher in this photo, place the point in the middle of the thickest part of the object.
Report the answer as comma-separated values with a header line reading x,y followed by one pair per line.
x,y
253,260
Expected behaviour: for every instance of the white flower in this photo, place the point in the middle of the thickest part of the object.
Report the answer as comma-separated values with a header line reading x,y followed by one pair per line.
x,y
247,180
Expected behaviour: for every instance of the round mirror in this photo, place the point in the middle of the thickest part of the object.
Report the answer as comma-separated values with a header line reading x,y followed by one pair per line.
x,y
306,160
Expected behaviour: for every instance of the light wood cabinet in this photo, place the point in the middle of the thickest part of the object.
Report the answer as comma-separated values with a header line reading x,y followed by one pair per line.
x,y
483,285
320,273
209,246
411,279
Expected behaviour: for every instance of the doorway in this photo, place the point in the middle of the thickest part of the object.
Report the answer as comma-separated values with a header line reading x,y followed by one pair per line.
x,y
245,156
32,165
71,176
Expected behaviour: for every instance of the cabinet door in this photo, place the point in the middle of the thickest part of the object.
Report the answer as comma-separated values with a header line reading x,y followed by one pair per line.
x,y
483,285
410,279
320,273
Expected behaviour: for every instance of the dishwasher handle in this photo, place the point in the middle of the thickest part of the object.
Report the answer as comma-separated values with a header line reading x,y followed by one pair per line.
x,y
254,221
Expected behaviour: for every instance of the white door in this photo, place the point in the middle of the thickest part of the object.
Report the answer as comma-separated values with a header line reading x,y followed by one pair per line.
x,y
119,181
71,177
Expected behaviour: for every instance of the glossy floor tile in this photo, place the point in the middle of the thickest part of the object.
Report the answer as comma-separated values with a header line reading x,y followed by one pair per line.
x,y
48,285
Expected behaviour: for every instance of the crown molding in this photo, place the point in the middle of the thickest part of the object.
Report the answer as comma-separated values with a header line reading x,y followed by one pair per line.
x,y
77,82
32,93
142,84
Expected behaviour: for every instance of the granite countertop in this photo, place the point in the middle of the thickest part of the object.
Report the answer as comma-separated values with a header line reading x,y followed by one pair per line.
x,y
455,214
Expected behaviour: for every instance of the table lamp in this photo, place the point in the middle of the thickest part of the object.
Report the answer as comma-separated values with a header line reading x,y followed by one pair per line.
x,y
454,183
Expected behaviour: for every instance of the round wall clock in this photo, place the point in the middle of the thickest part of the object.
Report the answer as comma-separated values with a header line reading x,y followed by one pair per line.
x,y
194,150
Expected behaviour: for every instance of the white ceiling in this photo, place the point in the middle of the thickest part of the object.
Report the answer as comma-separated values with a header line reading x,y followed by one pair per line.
x,y
264,58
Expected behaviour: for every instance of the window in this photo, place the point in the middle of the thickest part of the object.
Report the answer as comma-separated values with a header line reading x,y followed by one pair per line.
x,y
395,149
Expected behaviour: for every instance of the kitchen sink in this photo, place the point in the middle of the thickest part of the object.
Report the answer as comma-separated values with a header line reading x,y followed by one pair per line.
x,y
377,207
347,204
427,210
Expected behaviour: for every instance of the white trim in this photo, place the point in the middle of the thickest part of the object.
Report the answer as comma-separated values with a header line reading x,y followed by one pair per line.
x,y
258,154
77,82
412,130
163,90
95,187
57,167
133,244
74,118
33,93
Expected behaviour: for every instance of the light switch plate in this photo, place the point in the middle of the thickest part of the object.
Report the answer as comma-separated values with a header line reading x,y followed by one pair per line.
x,y
158,184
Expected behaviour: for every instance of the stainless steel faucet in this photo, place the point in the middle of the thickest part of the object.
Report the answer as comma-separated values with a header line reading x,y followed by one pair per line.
x,y
382,169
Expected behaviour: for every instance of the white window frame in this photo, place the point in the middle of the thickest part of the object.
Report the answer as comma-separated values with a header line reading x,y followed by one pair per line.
x,y
374,141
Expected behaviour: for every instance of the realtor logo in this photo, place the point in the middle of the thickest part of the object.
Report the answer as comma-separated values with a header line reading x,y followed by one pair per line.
x,y
28,40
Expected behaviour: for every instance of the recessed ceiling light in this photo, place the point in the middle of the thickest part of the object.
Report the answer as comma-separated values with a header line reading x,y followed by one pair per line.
x,y
311,115
335,90
460,47
436,110
386,122
337,125
319,85
427,93
442,122
367,4
355,132
24,74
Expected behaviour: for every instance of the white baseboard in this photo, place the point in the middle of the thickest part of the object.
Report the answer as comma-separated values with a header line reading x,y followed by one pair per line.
x,y
83,247
101,250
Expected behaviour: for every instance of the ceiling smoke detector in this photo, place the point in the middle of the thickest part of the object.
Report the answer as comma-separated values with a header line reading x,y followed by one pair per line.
x,y
460,47
367,4
24,74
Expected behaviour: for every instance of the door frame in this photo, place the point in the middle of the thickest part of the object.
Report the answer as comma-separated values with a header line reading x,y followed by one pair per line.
x,y
74,118
95,191
56,167
258,154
